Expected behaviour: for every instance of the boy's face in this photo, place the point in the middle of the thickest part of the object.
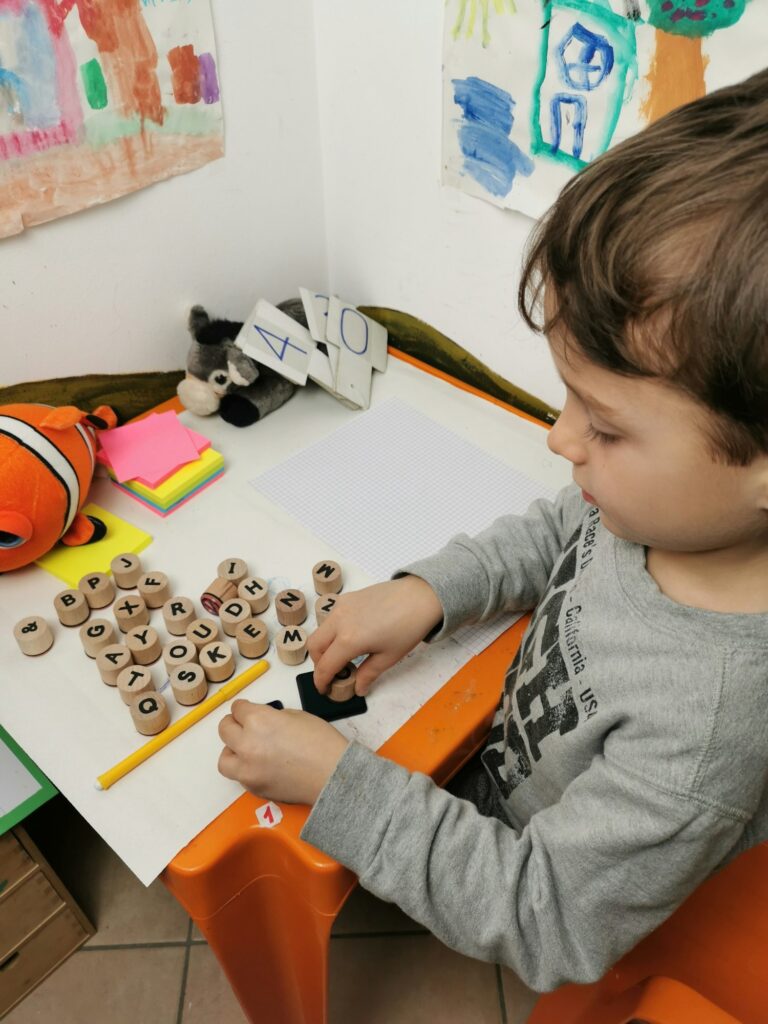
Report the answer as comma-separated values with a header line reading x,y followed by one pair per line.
x,y
640,453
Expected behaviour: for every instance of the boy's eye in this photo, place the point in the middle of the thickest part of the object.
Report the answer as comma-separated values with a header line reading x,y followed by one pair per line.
x,y
593,434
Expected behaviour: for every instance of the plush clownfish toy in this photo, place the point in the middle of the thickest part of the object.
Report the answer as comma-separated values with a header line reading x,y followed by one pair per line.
x,y
46,467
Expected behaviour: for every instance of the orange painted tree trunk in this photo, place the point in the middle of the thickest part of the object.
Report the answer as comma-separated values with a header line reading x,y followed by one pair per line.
x,y
676,75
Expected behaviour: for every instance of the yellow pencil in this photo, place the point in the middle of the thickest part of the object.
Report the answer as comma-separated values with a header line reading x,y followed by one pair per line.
x,y
229,690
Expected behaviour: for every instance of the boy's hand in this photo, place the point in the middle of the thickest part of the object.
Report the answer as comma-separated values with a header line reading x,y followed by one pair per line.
x,y
384,621
282,755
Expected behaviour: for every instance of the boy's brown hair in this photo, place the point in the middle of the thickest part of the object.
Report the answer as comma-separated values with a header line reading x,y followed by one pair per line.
x,y
655,261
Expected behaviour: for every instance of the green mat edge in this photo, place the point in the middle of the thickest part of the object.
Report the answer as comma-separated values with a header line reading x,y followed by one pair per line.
x,y
130,394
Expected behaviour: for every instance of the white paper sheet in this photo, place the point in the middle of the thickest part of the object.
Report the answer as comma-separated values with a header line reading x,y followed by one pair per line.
x,y
394,485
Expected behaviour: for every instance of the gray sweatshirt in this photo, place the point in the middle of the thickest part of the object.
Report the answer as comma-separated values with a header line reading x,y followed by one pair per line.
x,y
629,756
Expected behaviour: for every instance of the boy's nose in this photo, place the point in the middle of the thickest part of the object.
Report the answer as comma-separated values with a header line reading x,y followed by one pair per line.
x,y
565,439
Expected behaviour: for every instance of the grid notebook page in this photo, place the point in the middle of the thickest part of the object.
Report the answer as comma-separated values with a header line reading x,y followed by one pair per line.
x,y
393,485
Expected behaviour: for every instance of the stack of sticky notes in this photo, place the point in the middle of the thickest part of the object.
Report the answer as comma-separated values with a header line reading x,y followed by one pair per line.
x,y
159,462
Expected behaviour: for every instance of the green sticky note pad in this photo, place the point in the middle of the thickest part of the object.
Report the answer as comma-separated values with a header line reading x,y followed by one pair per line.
x,y
71,564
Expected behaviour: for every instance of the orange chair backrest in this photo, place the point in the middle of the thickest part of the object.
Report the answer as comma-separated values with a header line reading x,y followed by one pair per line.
x,y
716,943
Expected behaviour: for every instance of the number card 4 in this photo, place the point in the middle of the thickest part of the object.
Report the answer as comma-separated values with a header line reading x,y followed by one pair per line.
x,y
271,337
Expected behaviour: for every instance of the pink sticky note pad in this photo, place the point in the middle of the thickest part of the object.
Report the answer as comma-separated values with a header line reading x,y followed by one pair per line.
x,y
150,449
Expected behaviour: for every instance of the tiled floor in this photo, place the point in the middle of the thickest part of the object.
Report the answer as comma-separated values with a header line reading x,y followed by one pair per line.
x,y
147,964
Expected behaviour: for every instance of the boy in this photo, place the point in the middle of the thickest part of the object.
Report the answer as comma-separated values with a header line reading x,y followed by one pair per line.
x,y
629,756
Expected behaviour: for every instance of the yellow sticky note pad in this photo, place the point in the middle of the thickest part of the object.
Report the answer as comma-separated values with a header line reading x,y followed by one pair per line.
x,y
181,482
71,564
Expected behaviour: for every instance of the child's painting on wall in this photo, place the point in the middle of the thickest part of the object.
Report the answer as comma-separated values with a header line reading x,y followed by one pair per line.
x,y
99,98
533,90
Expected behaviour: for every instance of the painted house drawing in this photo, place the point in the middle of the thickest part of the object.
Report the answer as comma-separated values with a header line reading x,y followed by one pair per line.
x,y
535,90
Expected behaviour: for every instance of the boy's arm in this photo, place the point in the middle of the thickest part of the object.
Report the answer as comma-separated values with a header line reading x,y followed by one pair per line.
x,y
560,901
504,568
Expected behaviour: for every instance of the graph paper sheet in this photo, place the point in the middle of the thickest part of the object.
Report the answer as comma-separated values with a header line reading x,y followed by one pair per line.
x,y
393,485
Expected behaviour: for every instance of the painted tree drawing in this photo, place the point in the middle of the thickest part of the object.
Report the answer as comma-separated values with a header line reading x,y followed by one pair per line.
x,y
536,92
99,98
676,75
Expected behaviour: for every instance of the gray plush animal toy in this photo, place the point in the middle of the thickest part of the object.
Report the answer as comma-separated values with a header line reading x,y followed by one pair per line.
x,y
222,378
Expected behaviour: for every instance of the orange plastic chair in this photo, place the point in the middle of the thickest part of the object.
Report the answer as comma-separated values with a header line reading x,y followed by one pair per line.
x,y
708,964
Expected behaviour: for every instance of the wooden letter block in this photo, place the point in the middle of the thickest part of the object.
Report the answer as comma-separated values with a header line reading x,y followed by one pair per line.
x,y
154,588
291,645
97,634
33,635
327,577
134,681
323,607
71,607
150,714
126,570
202,632
232,614
98,588
321,705
131,611
233,569
216,593
111,660
189,684
144,644
343,683
178,613
252,638
178,652
217,661
255,591
291,607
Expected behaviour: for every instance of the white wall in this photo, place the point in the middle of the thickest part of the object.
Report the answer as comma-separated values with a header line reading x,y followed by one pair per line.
x,y
396,237
107,290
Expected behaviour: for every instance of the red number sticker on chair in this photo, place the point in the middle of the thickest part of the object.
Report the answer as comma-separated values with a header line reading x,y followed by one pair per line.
x,y
269,815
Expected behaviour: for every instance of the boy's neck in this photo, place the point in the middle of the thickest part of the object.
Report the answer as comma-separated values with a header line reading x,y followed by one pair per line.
x,y
727,580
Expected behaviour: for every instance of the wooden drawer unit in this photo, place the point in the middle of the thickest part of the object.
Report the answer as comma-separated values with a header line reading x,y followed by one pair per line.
x,y
15,862
40,924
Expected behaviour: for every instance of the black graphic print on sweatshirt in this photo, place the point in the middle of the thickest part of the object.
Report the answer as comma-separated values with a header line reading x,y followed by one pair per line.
x,y
538,699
